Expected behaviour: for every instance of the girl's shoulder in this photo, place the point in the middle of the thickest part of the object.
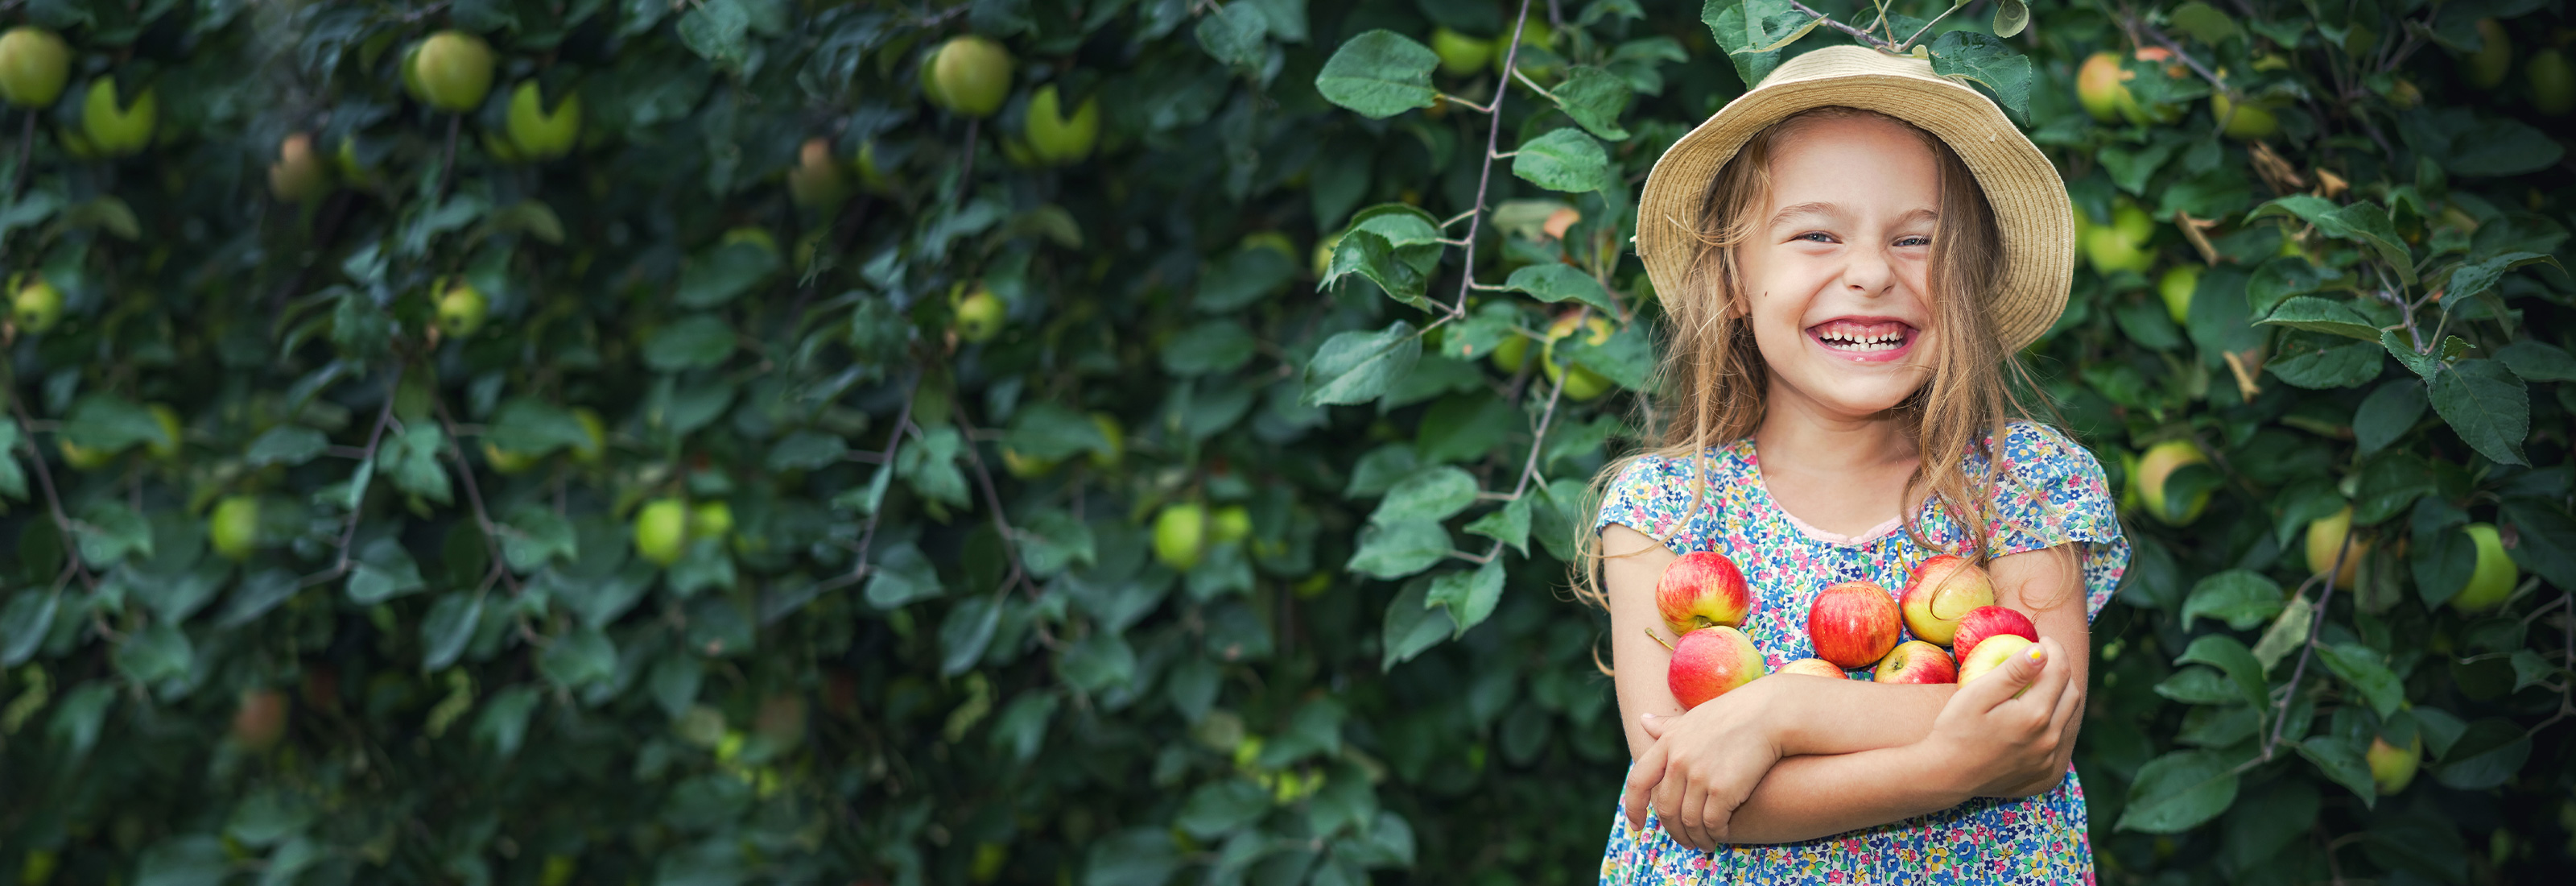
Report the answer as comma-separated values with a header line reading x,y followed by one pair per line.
x,y
2035,449
1653,493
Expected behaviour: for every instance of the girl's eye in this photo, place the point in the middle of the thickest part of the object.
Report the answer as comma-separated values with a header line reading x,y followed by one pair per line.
x,y
1915,241
1816,237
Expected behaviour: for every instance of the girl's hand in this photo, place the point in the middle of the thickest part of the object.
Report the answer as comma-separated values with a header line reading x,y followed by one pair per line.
x,y
2008,745
1702,765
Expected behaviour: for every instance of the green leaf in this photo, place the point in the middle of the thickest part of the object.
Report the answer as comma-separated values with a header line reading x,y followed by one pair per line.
x,y
1468,595
1140,856
1243,277
718,275
2361,667
1509,524
267,817
504,721
2470,278
1372,255
1221,807
384,571
2343,365
447,628
1753,32
1212,346
2011,16
1396,550
23,624
288,445
2340,759
183,861
965,632
533,535
2441,563
578,658
2280,277
1987,61
2487,405
2199,685
109,423
1626,359
109,531
156,653
1049,430
1233,34
1563,160
2329,316
1358,366
2537,361
1557,282
718,31
1097,662
1412,625
1594,98
900,575
2365,222
2242,598
2179,791
2485,756
1379,74
2286,635
807,450
2388,413
698,341
2230,657
1432,495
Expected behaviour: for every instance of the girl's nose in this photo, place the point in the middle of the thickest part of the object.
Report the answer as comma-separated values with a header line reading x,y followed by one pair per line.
x,y
1867,273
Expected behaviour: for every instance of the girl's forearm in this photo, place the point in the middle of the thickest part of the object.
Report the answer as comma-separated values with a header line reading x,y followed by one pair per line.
x,y
1813,716
1804,798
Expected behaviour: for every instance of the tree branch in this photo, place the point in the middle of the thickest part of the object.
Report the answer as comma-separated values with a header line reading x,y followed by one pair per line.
x,y
358,495
2281,713
1857,34
474,496
1485,175
45,480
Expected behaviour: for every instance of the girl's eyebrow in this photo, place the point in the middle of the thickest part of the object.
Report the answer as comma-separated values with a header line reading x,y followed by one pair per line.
x,y
1832,211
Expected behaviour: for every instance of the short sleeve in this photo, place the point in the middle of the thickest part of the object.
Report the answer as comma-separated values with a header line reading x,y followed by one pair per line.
x,y
1649,496
2051,491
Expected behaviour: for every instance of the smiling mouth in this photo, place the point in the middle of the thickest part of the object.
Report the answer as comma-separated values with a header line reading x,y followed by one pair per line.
x,y
1863,337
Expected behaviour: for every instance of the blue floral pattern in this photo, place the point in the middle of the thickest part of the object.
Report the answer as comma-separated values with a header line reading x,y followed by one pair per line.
x,y
2048,491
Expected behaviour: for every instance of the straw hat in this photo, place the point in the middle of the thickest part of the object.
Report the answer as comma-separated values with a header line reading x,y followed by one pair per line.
x,y
2032,211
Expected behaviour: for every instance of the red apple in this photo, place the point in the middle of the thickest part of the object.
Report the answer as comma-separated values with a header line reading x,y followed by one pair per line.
x,y
1992,653
1940,591
1915,661
1710,662
1990,621
1815,667
1852,623
1701,589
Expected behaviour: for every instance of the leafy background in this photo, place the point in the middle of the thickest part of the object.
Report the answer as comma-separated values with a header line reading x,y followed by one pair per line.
x,y
937,645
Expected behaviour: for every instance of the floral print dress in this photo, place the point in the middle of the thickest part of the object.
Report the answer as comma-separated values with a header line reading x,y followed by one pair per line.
x,y
2049,491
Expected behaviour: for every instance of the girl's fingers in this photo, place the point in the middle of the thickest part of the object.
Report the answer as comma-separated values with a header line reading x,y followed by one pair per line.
x,y
1668,802
1694,814
1718,816
2070,703
1654,725
1998,686
1642,777
2052,677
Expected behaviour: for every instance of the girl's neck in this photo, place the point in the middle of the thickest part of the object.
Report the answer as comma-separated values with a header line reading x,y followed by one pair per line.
x,y
1797,433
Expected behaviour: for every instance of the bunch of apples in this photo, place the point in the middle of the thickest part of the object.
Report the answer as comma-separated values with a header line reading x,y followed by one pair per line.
x,y
1947,602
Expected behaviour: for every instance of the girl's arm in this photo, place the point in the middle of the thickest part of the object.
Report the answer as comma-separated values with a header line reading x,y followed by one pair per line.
x,y
1726,747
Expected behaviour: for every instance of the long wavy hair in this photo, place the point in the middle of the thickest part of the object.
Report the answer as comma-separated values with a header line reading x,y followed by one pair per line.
x,y
1712,380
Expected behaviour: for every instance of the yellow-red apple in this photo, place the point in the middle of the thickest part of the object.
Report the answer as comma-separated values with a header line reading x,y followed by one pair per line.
x,y
1702,589
1916,661
1815,667
1941,590
1853,623
1992,653
2392,768
1711,662
1986,622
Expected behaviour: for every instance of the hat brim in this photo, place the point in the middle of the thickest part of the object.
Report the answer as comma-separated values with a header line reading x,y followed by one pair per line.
x,y
2032,212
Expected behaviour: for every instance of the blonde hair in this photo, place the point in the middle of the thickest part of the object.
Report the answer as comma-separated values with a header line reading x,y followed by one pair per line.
x,y
1712,379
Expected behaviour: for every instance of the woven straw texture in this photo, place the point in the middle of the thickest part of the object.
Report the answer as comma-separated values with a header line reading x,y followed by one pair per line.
x,y
2032,211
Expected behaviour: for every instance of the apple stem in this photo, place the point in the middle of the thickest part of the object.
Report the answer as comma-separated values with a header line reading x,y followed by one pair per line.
x,y
1659,641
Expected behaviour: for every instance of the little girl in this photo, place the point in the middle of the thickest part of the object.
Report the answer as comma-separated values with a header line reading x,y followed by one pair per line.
x,y
1850,256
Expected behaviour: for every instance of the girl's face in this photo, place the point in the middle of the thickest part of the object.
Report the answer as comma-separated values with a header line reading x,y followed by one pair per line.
x,y
1836,270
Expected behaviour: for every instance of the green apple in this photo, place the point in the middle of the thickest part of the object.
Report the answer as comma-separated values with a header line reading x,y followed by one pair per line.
x,y
1117,437
872,178
541,134
2553,84
37,306
2159,463
1511,355
1580,384
298,176
410,68
1058,139
2392,768
1233,523
1324,253
2122,244
114,127
2494,578
454,69
352,170
2176,287
260,720
2251,121
2486,68
969,75
233,528
815,182
33,65
1460,55
980,316
507,461
2325,538
461,310
171,433
712,519
592,429
83,458
1181,536
662,530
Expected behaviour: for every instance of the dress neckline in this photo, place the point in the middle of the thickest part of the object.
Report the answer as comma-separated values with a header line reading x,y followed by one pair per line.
x,y
1752,460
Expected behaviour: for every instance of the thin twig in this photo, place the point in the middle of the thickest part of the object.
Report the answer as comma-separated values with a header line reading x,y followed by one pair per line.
x,y
2137,26
474,496
966,173
2281,714
447,161
1858,34
45,480
894,444
358,495
992,499
1485,175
